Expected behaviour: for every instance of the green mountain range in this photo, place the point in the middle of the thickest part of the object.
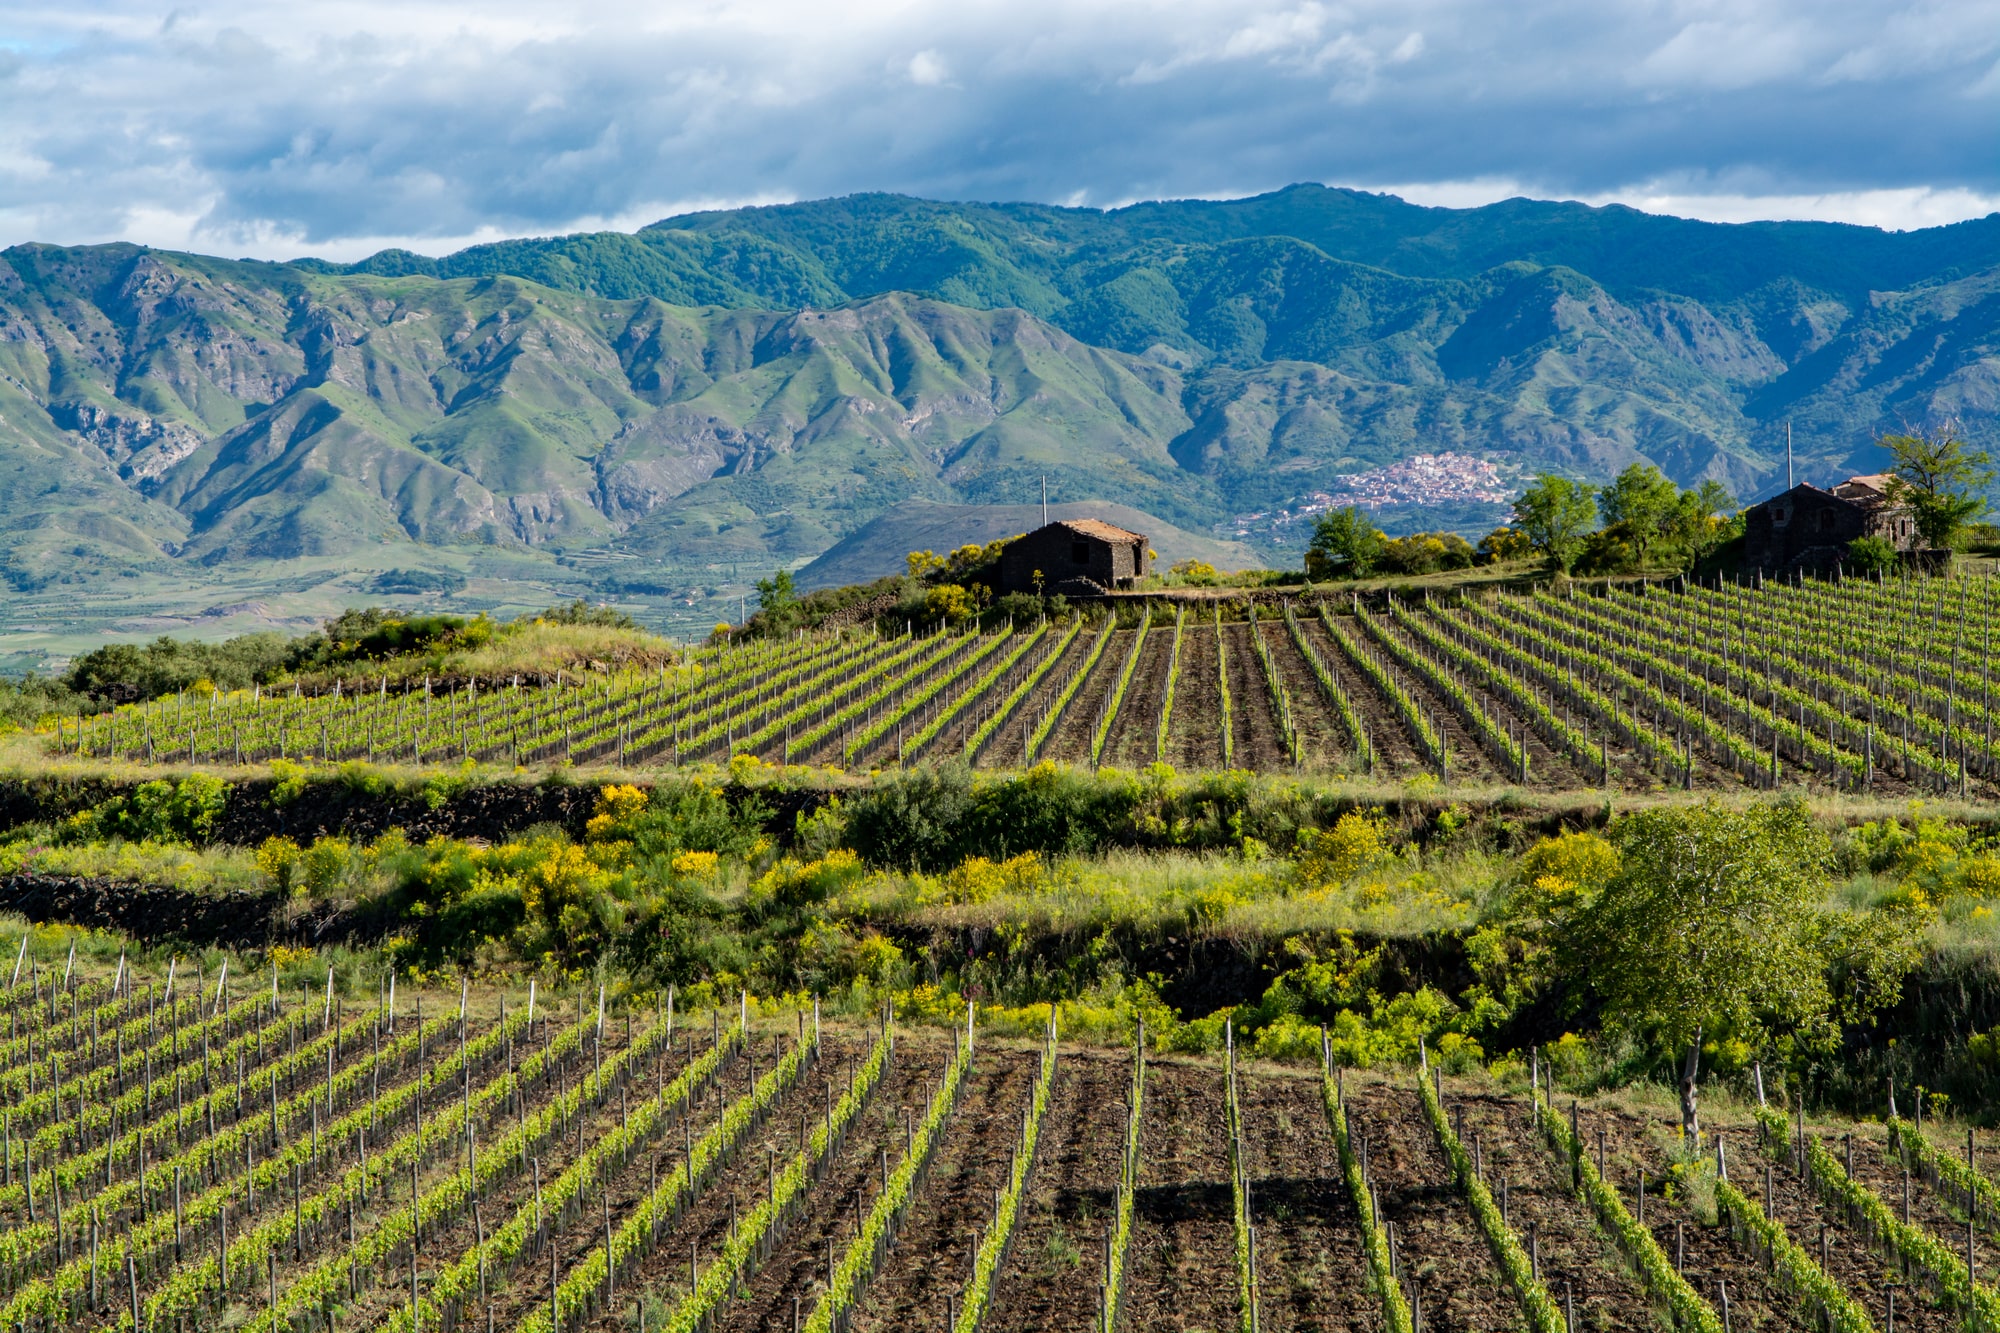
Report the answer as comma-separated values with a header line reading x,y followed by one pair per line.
x,y
657,416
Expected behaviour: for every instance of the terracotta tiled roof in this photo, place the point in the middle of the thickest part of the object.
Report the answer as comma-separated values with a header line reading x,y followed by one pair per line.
x,y
1091,527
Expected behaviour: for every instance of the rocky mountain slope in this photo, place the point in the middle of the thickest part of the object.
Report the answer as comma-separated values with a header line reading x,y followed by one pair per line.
x,y
753,386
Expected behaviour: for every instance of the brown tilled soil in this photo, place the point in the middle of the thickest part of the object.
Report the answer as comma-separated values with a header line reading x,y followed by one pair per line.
x,y
665,1270
884,748
797,1268
1395,754
1577,1258
1069,743
1133,735
1931,1208
1182,1261
1259,744
1057,1264
528,1284
1439,1249
1466,753
1324,737
1194,733
934,1247
1758,1298
1311,1268
332,1164
1544,767
1003,748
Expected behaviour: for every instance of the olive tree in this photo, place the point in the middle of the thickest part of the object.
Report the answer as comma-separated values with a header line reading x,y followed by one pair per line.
x,y
1712,924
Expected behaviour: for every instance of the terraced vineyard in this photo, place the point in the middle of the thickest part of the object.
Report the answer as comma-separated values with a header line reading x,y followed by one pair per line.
x,y
1845,685
185,1152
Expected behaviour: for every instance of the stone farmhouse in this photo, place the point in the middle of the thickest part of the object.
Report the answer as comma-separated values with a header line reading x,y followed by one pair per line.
x,y
1809,528
1075,557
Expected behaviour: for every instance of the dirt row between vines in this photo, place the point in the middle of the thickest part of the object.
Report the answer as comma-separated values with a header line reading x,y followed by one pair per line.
x,y
1182,1272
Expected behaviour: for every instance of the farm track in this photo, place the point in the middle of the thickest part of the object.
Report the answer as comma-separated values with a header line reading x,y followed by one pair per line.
x,y
1182,1262
935,1244
1314,1272
1058,1256
1131,743
1440,1249
1258,742
796,1270
1194,733
1577,1257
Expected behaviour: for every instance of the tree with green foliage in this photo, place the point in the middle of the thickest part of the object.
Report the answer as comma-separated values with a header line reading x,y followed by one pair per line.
x,y
776,594
1940,479
1703,519
1643,502
131,671
1345,545
1712,926
1555,515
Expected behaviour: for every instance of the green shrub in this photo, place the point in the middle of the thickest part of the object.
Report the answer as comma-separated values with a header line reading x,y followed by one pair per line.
x,y
915,821
1871,555
161,811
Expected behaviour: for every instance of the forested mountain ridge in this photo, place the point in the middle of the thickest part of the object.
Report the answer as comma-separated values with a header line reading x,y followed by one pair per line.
x,y
753,385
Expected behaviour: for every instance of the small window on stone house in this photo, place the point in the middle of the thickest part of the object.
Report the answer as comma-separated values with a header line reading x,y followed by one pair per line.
x,y
1079,553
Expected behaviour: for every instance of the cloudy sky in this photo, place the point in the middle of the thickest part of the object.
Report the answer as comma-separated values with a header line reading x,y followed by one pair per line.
x,y
275,128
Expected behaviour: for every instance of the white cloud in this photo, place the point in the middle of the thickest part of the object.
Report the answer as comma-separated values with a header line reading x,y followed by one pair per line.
x,y
261,125
1891,210
928,70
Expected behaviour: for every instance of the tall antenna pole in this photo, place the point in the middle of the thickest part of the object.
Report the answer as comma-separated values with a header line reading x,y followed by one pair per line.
x,y
1788,455
1045,500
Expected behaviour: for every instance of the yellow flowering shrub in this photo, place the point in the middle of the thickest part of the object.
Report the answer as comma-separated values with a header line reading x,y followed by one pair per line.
x,y
1560,875
794,884
278,861
978,880
325,863
696,865
1329,857
617,804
